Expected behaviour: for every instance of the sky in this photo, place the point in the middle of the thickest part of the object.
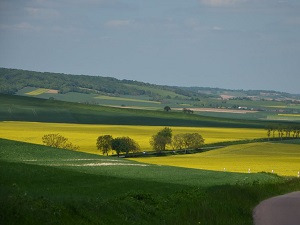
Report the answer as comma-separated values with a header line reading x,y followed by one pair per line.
x,y
233,44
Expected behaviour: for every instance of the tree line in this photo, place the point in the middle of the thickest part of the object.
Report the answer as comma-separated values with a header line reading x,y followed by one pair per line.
x,y
106,143
283,131
159,142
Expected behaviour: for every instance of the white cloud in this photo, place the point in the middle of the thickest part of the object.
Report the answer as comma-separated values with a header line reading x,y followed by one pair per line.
x,y
117,23
220,2
42,12
217,28
22,26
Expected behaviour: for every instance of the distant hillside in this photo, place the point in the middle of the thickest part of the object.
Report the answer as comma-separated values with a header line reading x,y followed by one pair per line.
x,y
13,80
243,94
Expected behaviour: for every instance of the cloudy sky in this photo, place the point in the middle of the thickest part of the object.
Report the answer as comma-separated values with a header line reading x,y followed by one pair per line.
x,y
237,44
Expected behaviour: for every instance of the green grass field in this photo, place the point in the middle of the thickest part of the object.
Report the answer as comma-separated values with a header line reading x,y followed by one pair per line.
x,y
287,117
43,185
124,99
282,158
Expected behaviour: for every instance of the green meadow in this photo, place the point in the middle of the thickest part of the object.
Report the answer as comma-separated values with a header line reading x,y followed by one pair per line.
x,y
43,185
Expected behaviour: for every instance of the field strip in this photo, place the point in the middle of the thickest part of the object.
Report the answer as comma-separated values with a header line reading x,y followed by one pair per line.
x,y
292,115
240,111
278,158
68,160
37,91
61,164
125,99
98,164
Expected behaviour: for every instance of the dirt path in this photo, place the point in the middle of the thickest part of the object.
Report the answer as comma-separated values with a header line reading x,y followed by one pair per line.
x,y
280,210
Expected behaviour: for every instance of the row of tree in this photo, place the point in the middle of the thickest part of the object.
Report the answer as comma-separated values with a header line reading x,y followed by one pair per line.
x,y
159,142
186,141
288,132
184,110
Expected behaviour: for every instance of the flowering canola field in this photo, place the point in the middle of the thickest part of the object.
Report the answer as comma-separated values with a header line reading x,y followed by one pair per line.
x,y
85,135
280,158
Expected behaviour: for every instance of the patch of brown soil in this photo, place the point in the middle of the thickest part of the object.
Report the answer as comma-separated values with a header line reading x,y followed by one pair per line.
x,y
52,91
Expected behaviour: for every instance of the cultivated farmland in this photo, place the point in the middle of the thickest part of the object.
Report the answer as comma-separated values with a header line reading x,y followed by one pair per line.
x,y
281,158
43,185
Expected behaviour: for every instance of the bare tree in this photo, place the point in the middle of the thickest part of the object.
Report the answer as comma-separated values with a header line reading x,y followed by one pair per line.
x,y
58,141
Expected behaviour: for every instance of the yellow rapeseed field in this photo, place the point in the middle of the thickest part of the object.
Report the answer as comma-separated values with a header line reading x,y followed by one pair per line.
x,y
37,91
292,115
283,159
85,135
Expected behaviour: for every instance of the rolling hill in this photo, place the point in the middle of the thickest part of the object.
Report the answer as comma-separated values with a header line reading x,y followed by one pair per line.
x,y
19,108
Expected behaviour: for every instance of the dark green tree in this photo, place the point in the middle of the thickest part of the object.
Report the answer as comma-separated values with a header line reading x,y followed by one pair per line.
x,y
167,108
124,144
104,143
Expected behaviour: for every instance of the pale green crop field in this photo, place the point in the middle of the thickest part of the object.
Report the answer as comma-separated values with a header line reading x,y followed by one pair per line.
x,y
85,135
103,97
283,159
290,117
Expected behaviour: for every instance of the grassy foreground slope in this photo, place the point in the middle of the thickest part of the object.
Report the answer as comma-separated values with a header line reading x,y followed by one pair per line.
x,y
282,158
42,185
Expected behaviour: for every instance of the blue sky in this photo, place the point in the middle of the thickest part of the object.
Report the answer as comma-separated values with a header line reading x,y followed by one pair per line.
x,y
236,44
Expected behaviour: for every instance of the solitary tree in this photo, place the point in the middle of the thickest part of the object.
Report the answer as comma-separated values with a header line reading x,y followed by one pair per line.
x,y
124,144
104,143
167,108
58,141
160,140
